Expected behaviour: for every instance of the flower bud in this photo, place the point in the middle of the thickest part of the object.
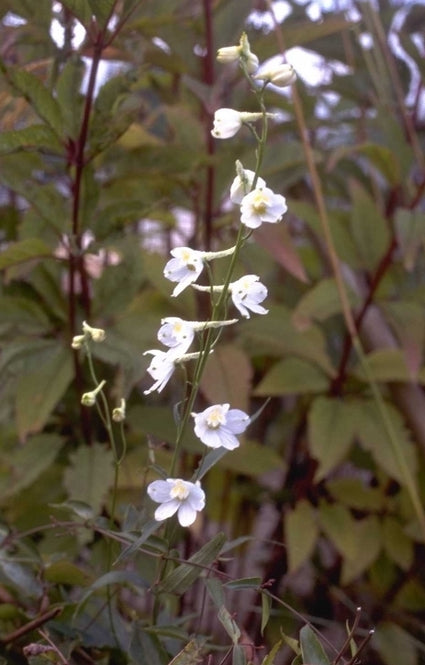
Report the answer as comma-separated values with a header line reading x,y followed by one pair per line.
x,y
280,75
118,414
89,399
228,54
247,56
96,334
78,341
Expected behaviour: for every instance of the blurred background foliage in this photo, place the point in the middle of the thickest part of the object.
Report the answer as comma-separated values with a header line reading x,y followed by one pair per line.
x,y
106,163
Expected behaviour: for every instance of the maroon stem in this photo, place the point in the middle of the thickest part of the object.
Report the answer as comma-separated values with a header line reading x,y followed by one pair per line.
x,y
209,80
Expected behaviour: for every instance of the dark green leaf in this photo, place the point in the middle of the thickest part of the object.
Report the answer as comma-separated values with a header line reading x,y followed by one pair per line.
x,y
311,649
180,579
24,250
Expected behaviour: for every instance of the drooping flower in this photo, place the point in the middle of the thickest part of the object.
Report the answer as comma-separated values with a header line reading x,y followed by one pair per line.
x,y
262,205
246,293
161,369
217,425
227,122
176,333
187,265
242,184
163,365
177,496
96,334
281,75
228,54
89,399
184,268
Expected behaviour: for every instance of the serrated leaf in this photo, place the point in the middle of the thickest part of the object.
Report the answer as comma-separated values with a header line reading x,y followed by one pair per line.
x,y
302,531
312,650
407,319
410,231
35,136
191,654
373,436
275,334
319,303
331,427
292,376
227,377
355,493
66,572
369,228
24,250
40,98
358,541
28,462
80,9
40,389
385,365
229,624
391,641
182,577
397,544
90,475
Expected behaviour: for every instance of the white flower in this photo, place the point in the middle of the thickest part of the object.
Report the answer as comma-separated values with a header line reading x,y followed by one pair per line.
x,y
217,426
89,399
280,75
96,334
184,268
246,55
227,122
118,414
247,292
177,496
163,365
176,333
242,184
228,53
262,205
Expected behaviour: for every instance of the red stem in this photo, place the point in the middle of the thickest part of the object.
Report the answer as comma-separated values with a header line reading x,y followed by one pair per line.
x,y
209,80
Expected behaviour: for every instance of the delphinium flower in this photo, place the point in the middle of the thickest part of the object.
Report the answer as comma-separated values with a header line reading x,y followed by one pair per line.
x,y
217,426
242,184
281,74
262,205
187,264
178,334
246,293
177,496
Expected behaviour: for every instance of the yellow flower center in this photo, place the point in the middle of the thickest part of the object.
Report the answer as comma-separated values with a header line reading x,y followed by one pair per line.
x,y
215,419
259,203
179,491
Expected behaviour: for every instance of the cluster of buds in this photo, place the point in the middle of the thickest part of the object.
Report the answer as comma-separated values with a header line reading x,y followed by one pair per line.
x,y
227,122
89,334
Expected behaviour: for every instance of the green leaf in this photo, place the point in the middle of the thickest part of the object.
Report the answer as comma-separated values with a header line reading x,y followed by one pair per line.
x,y
380,156
319,303
90,475
68,92
229,624
102,9
410,231
182,577
266,606
276,335
40,389
22,466
397,545
22,578
35,136
238,655
369,228
227,377
24,250
66,572
385,365
392,643
252,459
359,541
145,648
311,649
373,437
191,654
331,427
40,98
244,583
354,493
80,9
302,532
292,376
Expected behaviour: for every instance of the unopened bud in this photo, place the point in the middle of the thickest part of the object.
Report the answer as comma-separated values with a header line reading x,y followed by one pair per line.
x,y
118,414
96,334
78,341
247,56
228,54
89,399
280,75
